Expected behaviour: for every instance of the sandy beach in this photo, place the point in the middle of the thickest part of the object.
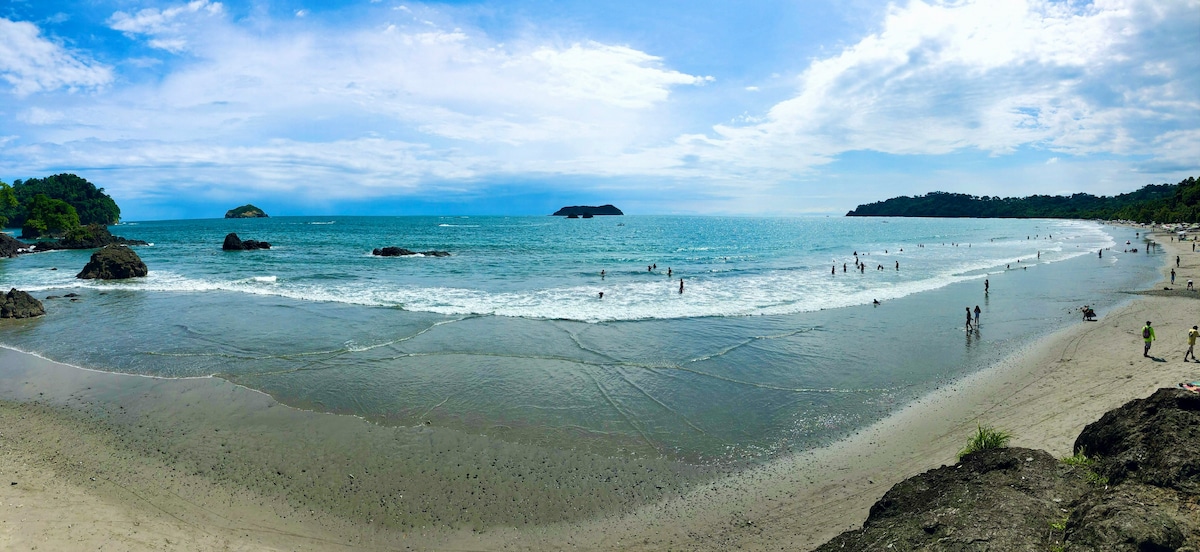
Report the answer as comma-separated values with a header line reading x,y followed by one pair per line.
x,y
73,486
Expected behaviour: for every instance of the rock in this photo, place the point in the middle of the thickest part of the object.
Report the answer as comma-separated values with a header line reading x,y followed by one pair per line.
x,y
113,262
1139,492
18,304
10,246
586,211
1155,441
400,252
92,236
234,243
245,211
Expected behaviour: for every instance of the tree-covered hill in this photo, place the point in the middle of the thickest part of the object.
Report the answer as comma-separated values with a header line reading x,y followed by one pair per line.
x,y
91,204
1153,203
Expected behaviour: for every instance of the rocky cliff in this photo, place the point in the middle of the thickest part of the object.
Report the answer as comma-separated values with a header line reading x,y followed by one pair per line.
x,y
1133,486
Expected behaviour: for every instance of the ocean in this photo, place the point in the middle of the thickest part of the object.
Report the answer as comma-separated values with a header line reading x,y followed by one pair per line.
x,y
764,352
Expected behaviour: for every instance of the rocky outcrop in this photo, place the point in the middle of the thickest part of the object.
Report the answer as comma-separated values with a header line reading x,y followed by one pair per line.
x,y
586,211
18,304
245,211
92,236
234,243
113,262
10,246
402,252
1138,492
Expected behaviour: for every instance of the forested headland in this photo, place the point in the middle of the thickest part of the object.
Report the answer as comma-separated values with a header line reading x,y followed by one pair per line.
x,y
1153,203
55,206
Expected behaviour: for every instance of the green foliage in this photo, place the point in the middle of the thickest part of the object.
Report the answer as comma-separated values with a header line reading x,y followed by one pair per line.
x,y
49,217
8,203
985,438
1081,460
1153,203
91,204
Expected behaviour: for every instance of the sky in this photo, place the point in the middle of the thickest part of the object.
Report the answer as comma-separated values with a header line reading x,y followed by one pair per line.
x,y
184,109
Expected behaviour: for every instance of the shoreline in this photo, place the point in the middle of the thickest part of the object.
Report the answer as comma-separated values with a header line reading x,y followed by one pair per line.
x,y
1043,395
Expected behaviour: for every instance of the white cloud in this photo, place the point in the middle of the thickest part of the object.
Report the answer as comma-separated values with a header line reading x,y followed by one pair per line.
x,y
301,13
31,63
168,28
942,77
39,116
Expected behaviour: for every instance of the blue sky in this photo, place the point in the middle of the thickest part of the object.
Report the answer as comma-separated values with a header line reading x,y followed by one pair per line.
x,y
183,109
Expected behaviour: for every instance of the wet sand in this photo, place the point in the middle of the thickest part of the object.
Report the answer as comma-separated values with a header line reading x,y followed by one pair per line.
x,y
131,463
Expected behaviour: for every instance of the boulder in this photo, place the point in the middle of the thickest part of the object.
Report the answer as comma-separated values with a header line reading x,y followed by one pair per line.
x,y
18,304
1155,441
234,243
401,252
113,262
10,246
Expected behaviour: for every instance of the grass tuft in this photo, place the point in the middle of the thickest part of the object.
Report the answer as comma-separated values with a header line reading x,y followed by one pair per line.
x,y
985,438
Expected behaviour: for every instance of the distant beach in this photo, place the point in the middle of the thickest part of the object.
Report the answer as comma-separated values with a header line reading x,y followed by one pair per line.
x,y
210,463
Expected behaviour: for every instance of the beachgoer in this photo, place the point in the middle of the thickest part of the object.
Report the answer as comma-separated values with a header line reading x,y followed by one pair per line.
x,y
681,285
977,311
601,274
833,269
968,318
1147,336
668,272
843,268
1172,276
876,302
602,295
897,265
655,266
1190,288
1101,254
1192,335
1177,261
985,285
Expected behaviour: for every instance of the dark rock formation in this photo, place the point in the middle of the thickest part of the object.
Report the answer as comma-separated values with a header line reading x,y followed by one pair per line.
x,y
400,252
92,236
1138,493
245,211
10,246
18,304
234,243
586,211
113,262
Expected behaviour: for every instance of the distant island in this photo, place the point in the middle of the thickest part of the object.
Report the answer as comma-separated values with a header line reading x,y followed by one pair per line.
x,y
245,211
586,211
1153,203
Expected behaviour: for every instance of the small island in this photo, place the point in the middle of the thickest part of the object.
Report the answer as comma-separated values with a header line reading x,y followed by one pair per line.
x,y
245,211
585,211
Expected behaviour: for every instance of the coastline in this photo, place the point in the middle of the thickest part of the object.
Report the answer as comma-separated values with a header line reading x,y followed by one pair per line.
x,y
1043,395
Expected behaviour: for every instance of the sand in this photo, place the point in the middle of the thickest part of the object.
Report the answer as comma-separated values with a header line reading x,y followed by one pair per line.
x,y
80,486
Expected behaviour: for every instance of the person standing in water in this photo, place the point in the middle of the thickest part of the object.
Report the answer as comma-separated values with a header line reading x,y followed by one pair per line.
x,y
977,311
985,286
681,285
968,318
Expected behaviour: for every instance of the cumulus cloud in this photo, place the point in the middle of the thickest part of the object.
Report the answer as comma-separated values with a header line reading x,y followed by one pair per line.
x,y
1111,76
29,62
168,28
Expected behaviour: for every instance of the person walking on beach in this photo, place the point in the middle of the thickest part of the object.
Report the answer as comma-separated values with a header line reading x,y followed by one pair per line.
x,y
1147,336
968,319
1192,335
1177,261
1172,276
977,311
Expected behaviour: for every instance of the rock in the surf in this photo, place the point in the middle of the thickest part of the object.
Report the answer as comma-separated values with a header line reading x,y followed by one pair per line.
x,y
234,243
401,252
113,262
10,246
18,304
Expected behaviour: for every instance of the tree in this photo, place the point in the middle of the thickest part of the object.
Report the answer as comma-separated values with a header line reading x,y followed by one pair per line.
x,y
90,203
49,217
8,203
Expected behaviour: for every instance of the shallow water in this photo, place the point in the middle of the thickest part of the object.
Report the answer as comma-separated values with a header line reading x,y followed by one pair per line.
x,y
764,353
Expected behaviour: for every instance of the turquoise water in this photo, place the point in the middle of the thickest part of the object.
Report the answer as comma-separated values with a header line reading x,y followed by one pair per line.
x,y
764,352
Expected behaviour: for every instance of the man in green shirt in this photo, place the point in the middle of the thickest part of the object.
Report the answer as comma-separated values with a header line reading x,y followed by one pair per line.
x,y
1147,336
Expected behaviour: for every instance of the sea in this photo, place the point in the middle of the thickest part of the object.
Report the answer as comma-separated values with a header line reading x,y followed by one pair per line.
x,y
773,344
